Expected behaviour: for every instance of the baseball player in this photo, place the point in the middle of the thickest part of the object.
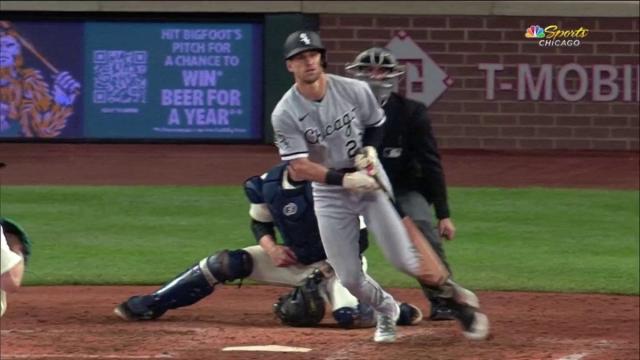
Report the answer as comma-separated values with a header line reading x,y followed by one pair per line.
x,y
298,261
15,248
327,127
409,154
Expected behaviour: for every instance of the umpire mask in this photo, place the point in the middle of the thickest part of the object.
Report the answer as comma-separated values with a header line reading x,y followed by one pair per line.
x,y
380,69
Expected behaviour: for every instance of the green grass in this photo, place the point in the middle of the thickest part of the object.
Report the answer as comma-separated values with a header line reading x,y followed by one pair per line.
x,y
508,239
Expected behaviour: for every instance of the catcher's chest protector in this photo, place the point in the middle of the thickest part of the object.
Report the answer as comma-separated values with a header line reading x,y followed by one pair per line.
x,y
293,215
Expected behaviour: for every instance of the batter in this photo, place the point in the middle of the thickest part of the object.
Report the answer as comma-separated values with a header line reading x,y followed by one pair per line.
x,y
322,124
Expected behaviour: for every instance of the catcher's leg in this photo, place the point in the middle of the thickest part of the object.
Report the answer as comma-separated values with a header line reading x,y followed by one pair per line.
x,y
189,287
349,313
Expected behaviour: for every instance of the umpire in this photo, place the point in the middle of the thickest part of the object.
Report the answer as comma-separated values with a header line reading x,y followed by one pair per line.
x,y
409,154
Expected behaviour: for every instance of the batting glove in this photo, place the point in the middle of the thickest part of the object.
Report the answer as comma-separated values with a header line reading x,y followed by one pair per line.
x,y
367,159
360,181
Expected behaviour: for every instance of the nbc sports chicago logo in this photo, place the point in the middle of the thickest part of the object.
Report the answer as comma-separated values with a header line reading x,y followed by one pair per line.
x,y
552,35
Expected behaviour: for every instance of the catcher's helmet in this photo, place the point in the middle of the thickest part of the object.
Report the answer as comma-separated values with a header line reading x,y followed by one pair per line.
x,y
300,41
378,67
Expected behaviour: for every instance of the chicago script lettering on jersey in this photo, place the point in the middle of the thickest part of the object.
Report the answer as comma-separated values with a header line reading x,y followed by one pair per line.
x,y
314,135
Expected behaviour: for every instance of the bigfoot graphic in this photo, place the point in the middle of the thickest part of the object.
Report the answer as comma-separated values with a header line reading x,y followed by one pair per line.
x,y
28,105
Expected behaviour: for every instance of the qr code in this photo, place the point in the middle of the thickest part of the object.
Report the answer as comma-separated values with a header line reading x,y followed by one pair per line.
x,y
120,77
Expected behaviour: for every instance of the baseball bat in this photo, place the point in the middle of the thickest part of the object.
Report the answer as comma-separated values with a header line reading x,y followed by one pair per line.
x,y
432,270
6,25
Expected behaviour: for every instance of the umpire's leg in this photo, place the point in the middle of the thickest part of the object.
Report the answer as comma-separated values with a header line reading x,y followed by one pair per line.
x,y
419,210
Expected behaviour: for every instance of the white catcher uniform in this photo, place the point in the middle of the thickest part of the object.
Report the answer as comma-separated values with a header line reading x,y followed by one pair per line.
x,y
329,132
8,259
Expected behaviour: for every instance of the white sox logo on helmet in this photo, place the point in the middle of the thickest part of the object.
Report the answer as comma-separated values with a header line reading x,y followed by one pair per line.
x,y
304,38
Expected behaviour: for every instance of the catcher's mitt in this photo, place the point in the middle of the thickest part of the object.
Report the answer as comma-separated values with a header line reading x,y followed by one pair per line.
x,y
11,227
304,306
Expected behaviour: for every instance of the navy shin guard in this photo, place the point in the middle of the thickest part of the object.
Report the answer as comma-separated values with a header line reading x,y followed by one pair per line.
x,y
186,289
199,281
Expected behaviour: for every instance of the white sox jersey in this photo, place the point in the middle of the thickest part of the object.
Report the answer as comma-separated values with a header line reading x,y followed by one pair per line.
x,y
329,131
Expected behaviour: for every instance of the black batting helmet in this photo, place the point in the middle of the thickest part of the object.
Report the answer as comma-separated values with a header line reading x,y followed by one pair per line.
x,y
300,41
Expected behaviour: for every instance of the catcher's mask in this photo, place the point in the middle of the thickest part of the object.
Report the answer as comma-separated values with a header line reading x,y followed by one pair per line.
x,y
379,68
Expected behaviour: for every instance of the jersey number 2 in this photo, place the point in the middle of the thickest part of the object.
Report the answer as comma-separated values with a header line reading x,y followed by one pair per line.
x,y
351,146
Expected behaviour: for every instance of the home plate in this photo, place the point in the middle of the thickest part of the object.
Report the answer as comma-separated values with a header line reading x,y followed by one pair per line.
x,y
274,348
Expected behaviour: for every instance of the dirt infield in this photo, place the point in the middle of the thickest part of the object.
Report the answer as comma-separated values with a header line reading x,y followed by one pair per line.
x,y
77,323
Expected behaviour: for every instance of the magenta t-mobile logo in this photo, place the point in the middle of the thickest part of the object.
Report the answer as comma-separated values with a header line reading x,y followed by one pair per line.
x,y
425,81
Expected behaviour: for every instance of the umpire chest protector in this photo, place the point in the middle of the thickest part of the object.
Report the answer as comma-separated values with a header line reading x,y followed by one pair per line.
x,y
396,152
293,215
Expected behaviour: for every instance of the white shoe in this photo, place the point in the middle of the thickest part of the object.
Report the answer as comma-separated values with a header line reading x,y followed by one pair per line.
x,y
386,327
465,296
479,329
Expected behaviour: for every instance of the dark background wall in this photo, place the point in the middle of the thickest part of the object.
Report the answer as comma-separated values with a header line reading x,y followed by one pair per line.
x,y
464,118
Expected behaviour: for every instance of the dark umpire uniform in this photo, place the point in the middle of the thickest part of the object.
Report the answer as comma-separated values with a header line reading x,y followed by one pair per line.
x,y
409,154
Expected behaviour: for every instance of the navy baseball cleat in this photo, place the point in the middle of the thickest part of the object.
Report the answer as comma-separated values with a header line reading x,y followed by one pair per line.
x,y
440,311
409,315
134,310
465,306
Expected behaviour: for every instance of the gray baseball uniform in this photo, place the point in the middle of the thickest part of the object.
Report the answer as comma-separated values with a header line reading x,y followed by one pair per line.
x,y
329,132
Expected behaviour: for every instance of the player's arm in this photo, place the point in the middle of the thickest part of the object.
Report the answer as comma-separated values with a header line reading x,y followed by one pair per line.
x,y
262,225
264,232
373,118
11,280
304,169
373,136
425,148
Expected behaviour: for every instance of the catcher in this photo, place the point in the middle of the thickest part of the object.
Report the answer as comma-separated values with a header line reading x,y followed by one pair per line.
x,y
298,261
15,248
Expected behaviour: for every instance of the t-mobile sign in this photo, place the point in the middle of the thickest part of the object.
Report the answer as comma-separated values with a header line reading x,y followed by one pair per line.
x,y
571,82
